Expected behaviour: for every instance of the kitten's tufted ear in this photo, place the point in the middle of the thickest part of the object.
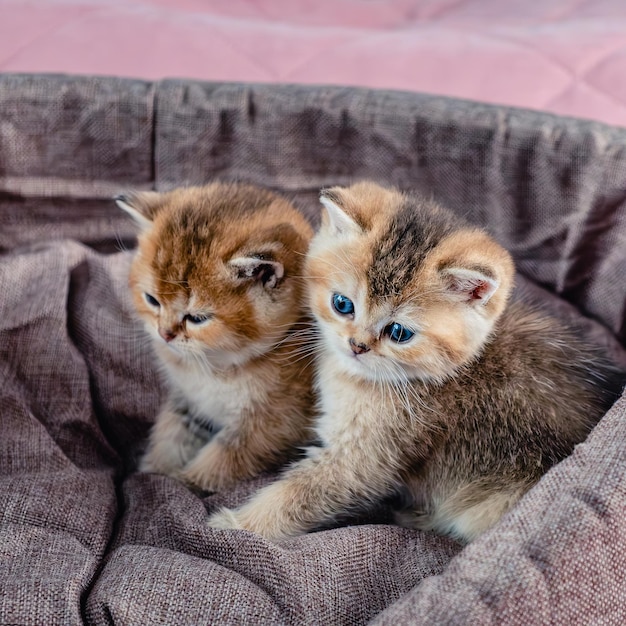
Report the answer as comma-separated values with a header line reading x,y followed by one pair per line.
x,y
469,285
335,219
142,206
266,271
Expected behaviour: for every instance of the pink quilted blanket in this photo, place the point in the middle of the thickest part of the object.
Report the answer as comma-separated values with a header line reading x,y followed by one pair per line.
x,y
564,56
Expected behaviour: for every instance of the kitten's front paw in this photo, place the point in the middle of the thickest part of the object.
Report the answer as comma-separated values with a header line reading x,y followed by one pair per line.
x,y
268,514
205,478
226,519
216,467
154,462
237,519
407,518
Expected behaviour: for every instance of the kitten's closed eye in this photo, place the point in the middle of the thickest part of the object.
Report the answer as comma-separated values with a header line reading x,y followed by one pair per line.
x,y
151,300
198,319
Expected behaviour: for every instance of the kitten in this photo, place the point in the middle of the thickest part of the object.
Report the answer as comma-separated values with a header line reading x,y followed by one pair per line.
x,y
217,281
432,385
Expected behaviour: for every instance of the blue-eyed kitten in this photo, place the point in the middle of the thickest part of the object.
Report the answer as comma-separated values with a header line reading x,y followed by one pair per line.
x,y
432,384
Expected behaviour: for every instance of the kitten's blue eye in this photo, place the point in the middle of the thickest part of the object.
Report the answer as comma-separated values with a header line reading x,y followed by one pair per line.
x,y
343,305
151,300
398,333
197,319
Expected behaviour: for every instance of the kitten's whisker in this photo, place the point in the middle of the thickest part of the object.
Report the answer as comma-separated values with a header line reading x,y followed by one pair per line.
x,y
398,384
301,355
121,246
176,283
343,256
340,256
301,337
297,339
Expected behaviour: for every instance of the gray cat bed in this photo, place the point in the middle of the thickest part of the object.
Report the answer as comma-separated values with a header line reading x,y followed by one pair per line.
x,y
85,539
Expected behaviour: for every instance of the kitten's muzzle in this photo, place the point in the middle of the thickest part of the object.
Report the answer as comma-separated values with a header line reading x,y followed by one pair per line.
x,y
167,334
358,348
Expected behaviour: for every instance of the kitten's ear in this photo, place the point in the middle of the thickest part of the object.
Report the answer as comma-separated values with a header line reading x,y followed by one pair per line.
x,y
335,219
469,285
142,206
266,271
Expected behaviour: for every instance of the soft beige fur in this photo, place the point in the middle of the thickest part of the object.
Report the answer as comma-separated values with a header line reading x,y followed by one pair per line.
x,y
224,262
461,418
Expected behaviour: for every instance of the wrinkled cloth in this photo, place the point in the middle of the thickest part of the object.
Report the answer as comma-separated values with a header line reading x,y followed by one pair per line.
x,y
85,539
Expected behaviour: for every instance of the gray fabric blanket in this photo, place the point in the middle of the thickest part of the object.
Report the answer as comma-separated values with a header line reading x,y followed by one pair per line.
x,y
85,539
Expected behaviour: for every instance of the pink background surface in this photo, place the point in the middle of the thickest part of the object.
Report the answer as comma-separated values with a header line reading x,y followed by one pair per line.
x,y
564,56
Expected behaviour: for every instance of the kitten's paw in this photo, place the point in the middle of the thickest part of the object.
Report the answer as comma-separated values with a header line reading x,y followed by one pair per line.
x,y
216,467
416,520
270,513
171,445
200,477
226,519
237,519
154,463
409,519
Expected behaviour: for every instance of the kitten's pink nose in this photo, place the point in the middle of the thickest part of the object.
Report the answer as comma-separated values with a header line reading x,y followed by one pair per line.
x,y
358,348
167,334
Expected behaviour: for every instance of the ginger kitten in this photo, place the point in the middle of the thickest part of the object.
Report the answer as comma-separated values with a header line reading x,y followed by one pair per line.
x,y
217,281
432,385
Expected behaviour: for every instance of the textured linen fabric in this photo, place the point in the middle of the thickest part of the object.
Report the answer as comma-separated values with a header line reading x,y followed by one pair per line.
x,y
84,539
67,145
